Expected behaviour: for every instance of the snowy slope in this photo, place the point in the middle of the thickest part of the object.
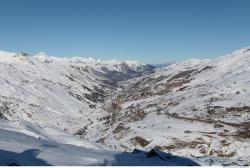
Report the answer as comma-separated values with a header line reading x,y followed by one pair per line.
x,y
194,108
21,147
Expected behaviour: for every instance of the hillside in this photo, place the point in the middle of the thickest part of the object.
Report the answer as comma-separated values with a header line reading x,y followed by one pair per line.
x,y
194,108
58,92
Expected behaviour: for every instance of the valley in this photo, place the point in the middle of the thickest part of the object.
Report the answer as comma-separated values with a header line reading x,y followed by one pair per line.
x,y
197,109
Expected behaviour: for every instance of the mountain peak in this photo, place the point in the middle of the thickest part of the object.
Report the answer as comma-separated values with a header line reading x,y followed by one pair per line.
x,y
242,50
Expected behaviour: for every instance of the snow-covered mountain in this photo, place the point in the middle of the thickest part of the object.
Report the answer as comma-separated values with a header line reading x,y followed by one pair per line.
x,y
60,91
196,109
44,101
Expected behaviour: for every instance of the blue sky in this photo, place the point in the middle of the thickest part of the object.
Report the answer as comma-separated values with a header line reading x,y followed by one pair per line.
x,y
151,31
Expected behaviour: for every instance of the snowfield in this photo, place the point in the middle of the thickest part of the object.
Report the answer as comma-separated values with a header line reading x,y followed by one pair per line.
x,y
100,111
21,149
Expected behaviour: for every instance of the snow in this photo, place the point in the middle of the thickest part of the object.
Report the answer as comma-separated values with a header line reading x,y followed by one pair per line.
x,y
27,150
17,148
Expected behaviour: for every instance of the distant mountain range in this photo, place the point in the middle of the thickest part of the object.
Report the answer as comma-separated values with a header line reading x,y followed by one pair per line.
x,y
162,65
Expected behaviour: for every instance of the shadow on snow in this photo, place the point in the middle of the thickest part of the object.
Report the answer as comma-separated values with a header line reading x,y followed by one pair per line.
x,y
26,158
154,157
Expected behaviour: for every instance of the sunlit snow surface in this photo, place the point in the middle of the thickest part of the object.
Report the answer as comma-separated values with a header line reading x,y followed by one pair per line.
x,y
26,149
